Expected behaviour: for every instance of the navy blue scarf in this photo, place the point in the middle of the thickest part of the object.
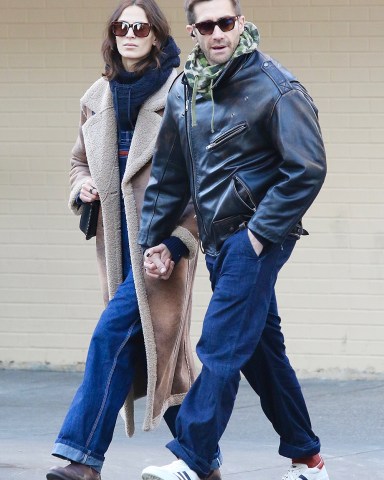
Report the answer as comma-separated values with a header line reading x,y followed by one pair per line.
x,y
130,91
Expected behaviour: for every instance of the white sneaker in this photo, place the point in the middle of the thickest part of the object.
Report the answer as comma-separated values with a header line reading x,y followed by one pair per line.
x,y
177,470
300,471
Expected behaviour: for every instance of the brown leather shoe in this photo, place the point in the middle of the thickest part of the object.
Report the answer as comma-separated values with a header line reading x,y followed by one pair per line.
x,y
215,475
73,471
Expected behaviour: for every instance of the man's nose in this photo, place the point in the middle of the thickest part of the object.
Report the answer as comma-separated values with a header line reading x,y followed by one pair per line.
x,y
217,32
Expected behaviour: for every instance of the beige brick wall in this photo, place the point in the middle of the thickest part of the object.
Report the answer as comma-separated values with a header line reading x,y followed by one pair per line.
x,y
331,292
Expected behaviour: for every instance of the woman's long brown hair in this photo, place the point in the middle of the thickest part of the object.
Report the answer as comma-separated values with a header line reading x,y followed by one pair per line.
x,y
160,27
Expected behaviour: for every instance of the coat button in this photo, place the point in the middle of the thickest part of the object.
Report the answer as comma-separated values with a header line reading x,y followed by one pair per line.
x,y
266,64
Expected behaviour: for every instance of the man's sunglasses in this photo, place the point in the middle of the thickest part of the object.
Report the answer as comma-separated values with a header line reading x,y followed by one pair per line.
x,y
140,29
225,24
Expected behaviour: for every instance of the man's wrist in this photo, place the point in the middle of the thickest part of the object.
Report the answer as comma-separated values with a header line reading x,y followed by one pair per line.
x,y
176,247
264,242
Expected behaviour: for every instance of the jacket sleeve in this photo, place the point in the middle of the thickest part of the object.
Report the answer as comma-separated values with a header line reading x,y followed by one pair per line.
x,y
186,230
167,198
296,135
79,169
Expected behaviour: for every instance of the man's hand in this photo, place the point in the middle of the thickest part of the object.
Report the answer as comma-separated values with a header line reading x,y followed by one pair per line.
x,y
257,246
158,262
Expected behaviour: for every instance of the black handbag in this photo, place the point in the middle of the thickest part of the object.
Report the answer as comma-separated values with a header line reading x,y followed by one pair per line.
x,y
88,219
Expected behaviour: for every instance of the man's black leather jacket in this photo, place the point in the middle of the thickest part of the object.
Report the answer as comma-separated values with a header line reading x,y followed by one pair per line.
x,y
263,165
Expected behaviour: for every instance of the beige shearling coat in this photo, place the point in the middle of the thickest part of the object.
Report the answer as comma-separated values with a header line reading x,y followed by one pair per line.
x,y
165,306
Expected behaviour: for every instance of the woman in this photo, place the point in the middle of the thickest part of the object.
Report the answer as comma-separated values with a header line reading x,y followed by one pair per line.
x,y
140,345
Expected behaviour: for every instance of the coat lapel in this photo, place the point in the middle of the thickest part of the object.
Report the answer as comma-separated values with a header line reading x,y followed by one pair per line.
x,y
146,130
100,138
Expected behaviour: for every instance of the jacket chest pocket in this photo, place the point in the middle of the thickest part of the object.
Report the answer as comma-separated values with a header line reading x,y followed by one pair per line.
x,y
228,135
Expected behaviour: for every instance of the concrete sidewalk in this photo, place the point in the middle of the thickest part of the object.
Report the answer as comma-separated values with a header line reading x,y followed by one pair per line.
x,y
347,415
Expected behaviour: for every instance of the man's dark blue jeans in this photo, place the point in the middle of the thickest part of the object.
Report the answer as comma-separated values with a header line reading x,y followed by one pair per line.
x,y
241,333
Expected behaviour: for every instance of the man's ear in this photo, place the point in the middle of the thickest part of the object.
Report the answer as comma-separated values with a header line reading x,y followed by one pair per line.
x,y
241,21
189,29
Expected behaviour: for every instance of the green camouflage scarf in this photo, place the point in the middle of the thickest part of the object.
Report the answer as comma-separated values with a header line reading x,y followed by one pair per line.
x,y
201,76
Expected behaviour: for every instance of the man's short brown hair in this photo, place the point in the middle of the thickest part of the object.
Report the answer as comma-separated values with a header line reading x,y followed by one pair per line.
x,y
189,7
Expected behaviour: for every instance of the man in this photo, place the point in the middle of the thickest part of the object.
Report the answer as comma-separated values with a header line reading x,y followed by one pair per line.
x,y
240,134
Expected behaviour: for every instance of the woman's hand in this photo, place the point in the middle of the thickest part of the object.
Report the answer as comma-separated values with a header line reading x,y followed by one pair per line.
x,y
158,262
88,192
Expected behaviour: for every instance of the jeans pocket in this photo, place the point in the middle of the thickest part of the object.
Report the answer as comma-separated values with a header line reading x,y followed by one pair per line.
x,y
248,249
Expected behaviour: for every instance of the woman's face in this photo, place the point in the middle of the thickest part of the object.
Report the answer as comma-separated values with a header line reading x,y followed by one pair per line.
x,y
131,47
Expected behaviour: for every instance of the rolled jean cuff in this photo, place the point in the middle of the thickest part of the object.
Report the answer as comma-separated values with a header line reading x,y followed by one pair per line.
x,y
217,460
299,451
75,455
198,465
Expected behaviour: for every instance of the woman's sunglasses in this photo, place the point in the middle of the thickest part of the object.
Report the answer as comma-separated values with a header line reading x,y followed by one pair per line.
x,y
225,24
140,29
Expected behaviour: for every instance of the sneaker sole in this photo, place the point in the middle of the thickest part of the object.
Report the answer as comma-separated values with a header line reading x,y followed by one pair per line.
x,y
151,474
322,475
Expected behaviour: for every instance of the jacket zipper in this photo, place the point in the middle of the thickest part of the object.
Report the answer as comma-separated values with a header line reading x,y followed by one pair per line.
x,y
226,136
186,99
248,192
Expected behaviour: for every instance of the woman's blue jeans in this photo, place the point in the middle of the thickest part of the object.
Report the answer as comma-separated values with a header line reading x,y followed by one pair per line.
x,y
241,333
116,346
